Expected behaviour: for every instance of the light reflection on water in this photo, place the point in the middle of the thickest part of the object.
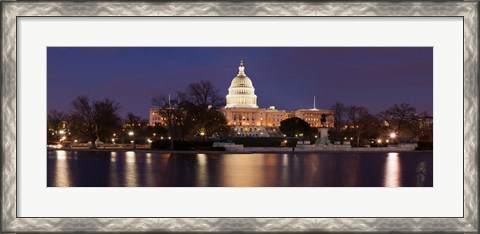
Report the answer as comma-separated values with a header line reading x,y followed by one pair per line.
x,y
113,157
113,170
393,174
62,173
237,170
285,160
149,158
149,169
202,172
130,169
138,168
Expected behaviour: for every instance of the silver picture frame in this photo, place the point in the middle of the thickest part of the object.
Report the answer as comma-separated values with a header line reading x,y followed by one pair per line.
x,y
11,10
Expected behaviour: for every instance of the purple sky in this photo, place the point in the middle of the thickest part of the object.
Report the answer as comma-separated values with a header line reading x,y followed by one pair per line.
x,y
286,77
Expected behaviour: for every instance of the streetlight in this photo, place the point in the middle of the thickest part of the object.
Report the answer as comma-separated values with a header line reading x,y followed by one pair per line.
x,y
393,136
133,141
62,132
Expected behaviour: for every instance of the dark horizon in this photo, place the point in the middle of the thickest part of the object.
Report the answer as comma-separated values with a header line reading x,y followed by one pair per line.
x,y
284,77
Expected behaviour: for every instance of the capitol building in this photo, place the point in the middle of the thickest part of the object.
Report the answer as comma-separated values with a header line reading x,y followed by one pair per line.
x,y
247,119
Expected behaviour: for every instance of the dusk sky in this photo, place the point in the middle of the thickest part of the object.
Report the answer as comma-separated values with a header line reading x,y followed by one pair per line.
x,y
285,77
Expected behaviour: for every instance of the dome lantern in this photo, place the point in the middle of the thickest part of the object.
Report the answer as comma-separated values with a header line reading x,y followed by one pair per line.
x,y
241,93
241,69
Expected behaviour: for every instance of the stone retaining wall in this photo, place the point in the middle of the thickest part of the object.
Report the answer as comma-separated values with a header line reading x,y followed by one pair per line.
x,y
323,148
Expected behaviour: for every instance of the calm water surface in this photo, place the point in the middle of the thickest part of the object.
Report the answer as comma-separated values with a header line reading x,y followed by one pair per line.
x,y
131,169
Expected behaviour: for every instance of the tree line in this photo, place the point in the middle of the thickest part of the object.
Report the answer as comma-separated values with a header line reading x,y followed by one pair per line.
x,y
195,113
400,122
192,113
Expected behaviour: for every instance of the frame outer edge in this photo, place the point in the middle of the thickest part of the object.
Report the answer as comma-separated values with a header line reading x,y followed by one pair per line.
x,y
8,118
471,130
13,9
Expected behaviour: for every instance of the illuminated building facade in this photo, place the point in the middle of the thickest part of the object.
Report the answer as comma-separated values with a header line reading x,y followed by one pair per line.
x,y
241,111
316,117
155,117
247,119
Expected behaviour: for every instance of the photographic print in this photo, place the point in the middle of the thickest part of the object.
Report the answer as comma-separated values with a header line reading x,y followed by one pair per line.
x,y
119,127
239,117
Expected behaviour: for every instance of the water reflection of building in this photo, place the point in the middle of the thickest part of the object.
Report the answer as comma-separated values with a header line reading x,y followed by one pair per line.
x,y
247,119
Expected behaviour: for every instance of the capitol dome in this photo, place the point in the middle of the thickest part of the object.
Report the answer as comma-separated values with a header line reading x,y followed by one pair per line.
x,y
241,93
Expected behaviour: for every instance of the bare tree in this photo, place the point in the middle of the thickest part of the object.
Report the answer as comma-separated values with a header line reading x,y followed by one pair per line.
x,y
385,117
192,113
339,111
355,115
201,102
202,94
171,112
370,126
403,119
213,122
55,121
132,123
132,119
94,119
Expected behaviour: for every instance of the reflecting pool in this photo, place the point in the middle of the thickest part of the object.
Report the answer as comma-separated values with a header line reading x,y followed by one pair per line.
x,y
151,169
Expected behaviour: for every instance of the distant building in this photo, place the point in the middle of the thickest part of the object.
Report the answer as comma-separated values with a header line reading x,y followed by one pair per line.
x,y
426,122
315,117
155,117
426,128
